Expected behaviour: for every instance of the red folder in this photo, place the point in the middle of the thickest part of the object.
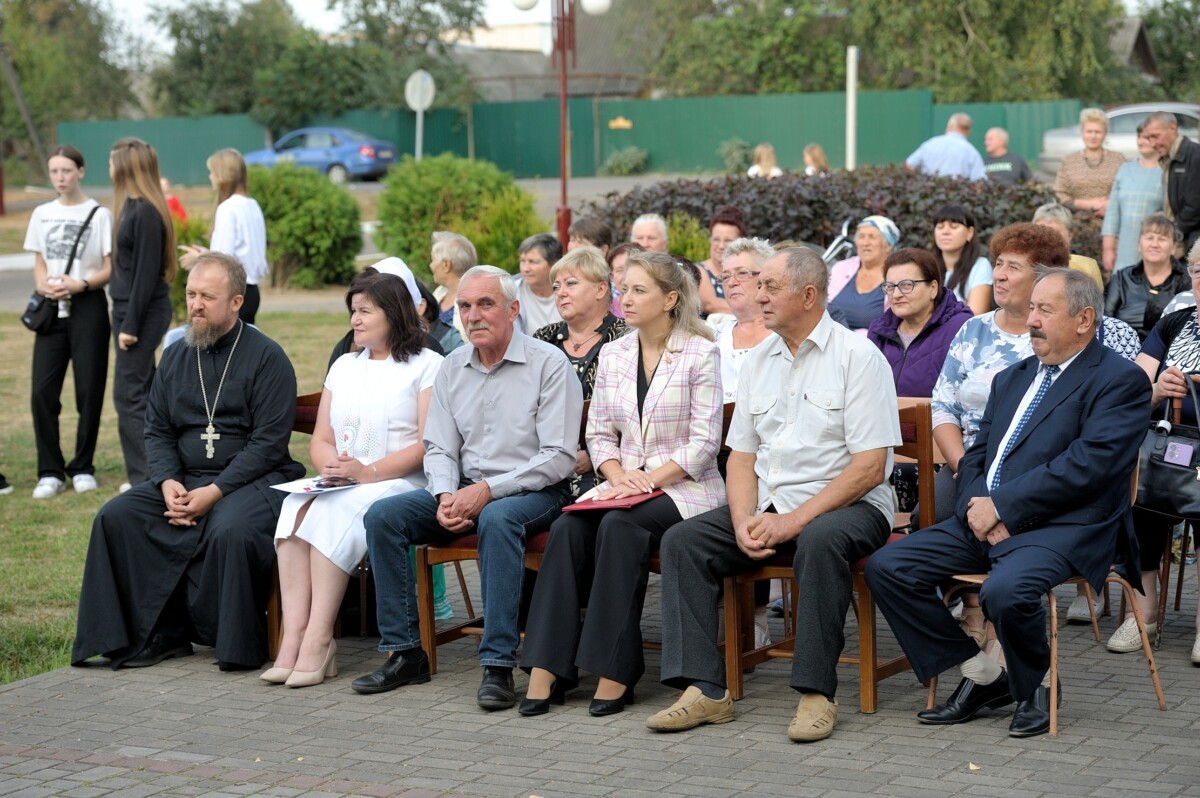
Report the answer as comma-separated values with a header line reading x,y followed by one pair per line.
x,y
611,504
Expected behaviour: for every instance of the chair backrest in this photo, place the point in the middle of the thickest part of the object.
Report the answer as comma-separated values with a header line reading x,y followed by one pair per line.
x,y
916,432
306,412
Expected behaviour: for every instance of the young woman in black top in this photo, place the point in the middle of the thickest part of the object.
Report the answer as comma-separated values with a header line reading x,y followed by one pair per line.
x,y
143,268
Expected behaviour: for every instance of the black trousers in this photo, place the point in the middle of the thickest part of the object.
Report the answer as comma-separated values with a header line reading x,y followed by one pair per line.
x,y
250,304
132,374
700,552
904,578
601,561
1152,532
80,340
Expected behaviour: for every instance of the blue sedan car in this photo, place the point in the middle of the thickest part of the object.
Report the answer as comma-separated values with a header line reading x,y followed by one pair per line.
x,y
339,152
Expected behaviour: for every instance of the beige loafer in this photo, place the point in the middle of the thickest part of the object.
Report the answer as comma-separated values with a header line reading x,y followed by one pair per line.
x,y
815,718
691,710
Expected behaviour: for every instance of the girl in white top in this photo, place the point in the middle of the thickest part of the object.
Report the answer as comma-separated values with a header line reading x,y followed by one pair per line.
x,y
81,331
238,226
369,428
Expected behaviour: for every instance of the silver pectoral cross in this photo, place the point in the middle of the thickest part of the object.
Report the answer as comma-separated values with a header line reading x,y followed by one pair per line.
x,y
210,435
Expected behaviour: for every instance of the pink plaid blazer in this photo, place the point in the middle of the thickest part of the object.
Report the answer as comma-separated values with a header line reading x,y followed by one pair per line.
x,y
682,418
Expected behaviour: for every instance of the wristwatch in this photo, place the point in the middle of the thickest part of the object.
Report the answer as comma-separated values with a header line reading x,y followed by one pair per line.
x,y
86,285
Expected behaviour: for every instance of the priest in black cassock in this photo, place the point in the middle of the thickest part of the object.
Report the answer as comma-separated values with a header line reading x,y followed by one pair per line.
x,y
187,556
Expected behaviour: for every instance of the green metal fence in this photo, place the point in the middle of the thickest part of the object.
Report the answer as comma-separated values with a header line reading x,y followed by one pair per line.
x,y
680,135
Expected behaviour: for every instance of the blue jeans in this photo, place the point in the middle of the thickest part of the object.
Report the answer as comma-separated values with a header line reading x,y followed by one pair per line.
x,y
395,523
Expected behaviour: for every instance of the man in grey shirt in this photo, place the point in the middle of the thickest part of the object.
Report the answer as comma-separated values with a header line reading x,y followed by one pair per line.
x,y
1001,165
500,441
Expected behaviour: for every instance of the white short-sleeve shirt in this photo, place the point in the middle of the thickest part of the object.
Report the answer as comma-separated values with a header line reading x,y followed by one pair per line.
x,y
239,230
804,417
53,228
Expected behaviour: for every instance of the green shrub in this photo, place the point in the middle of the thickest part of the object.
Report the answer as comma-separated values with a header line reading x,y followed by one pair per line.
x,y
313,231
687,237
812,209
737,155
434,194
502,223
625,161
194,231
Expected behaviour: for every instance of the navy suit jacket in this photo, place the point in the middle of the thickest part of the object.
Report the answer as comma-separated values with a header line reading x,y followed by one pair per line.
x,y
1065,484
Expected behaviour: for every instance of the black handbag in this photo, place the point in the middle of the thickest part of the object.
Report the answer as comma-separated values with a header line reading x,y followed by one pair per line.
x,y
1169,466
41,311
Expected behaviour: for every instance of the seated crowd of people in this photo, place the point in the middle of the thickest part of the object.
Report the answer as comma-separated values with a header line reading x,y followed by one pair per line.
x,y
458,412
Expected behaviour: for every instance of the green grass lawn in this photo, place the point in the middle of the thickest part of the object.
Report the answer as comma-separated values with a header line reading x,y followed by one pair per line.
x,y
43,543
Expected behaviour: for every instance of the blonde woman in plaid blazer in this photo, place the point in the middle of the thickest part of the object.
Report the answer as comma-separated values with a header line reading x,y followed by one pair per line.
x,y
654,423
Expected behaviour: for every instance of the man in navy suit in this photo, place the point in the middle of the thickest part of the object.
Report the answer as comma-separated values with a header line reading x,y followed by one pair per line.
x,y
1043,495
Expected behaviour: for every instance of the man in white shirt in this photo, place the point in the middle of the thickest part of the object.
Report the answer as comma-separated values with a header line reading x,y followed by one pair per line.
x,y
812,437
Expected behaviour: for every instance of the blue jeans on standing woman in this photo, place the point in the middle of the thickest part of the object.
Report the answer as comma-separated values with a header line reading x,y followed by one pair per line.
x,y
395,523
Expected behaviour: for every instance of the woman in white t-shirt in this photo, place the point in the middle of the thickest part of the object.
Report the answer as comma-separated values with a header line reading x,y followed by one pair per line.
x,y
368,429
534,289
238,226
80,333
960,253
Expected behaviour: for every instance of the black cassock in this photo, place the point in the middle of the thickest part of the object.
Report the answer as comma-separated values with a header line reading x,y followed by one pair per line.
x,y
215,575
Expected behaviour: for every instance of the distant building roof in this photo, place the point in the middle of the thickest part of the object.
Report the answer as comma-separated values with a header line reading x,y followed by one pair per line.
x,y
1132,47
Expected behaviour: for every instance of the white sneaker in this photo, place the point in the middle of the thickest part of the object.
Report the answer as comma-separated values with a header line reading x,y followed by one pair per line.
x,y
1127,639
1078,612
48,488
1196,651
84,482
762,634
124,487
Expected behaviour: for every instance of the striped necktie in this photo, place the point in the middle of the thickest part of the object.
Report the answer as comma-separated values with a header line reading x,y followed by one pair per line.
x,y
1047,378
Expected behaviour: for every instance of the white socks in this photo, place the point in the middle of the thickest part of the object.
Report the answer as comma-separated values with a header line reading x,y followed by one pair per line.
x,y
981,669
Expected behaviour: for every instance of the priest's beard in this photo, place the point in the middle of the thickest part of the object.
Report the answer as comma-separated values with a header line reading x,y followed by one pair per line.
x,y
204,334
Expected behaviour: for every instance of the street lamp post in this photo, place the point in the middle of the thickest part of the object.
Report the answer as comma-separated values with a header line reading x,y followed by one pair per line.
x,y
564,44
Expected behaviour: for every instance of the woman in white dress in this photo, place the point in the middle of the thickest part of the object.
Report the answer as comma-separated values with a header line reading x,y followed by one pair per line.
x,y
369,429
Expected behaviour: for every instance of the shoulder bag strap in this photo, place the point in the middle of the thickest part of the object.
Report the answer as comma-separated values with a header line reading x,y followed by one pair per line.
x,y
79,235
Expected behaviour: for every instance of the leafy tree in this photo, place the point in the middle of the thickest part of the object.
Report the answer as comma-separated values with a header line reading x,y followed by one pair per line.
x,y
1173,28
755,46
218,47
289,89
64,57
983,51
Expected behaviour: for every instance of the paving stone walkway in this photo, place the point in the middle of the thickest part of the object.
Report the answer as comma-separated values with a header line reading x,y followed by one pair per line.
x,y
184,728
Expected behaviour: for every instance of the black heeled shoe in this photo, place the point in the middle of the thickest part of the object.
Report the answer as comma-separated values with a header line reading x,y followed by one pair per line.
x,y
540,706
611,706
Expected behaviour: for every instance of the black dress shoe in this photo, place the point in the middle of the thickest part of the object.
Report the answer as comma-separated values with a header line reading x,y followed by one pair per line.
x,y
540,706
611,706
496,691
1033,714
968,699
157,649
397,671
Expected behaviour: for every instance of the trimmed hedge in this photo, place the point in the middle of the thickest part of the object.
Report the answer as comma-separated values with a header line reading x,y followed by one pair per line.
x,y
473,198
313,232
802,208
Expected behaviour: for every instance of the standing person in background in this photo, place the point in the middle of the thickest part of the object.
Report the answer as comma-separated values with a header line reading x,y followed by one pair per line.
x,y
1001,165
71,239
1086,177
1136,193
143,269
173,204
956,243
950,154
238,226
815,162
764,164
1179,157
539,253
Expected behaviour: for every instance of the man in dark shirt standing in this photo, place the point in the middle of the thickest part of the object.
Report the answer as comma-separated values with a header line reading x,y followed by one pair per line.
x,y
1001,165
1179,157
187,555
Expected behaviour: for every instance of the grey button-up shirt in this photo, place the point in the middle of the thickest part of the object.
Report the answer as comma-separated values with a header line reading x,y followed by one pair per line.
x,y
515,426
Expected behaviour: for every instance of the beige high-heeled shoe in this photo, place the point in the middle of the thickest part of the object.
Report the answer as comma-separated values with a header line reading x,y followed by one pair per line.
x,y
309,678
275,675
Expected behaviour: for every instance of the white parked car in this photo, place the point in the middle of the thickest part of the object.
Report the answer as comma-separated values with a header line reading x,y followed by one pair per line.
x,y
1122,132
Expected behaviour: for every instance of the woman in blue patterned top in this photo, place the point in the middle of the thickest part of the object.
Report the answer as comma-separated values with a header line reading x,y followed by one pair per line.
x,y
988,344
1136,193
